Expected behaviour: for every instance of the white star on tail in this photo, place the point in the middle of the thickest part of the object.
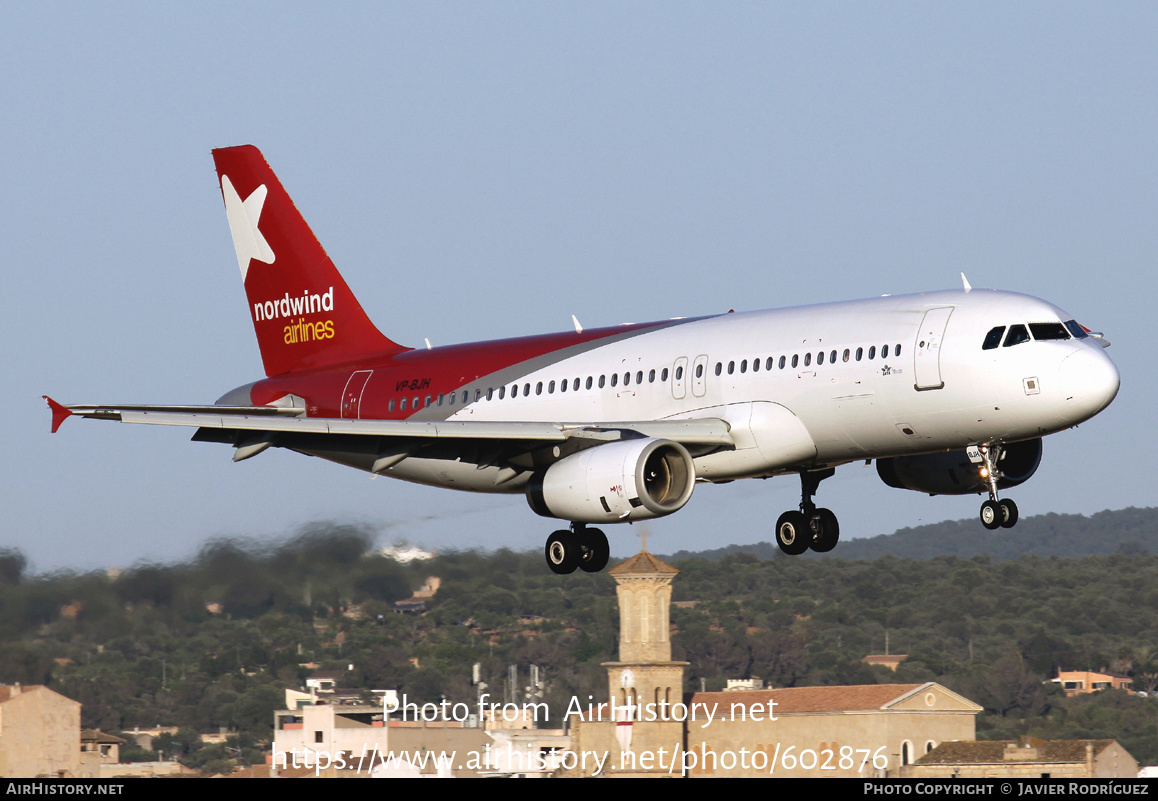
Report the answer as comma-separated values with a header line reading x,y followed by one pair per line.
x,y
243,217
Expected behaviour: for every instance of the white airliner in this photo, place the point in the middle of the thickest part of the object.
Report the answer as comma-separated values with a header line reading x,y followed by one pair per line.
x,y
950,392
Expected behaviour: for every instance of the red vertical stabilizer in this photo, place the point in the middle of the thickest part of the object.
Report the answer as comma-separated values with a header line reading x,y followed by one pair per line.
x,y
304,315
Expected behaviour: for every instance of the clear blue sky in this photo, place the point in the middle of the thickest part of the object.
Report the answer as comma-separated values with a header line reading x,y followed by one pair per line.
x,y
487,170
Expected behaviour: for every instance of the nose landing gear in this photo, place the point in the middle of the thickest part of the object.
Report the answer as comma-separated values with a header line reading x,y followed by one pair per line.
x,y
577,547
995,513
818,529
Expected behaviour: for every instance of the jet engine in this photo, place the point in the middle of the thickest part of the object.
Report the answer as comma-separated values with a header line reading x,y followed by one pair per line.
x,y
635,479
953,473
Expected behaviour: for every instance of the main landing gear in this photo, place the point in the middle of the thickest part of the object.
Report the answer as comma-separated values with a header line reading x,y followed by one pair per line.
x,y
994,513
810,527
577,547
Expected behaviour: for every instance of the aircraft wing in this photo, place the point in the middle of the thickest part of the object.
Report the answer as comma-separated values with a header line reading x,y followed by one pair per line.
x,y
253,428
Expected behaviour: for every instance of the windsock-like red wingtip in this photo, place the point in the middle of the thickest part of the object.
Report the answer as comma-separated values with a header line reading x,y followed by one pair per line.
x,y
59,413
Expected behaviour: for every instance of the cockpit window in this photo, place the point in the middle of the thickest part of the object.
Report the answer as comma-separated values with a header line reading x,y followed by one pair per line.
x,y
1017,334
1047,331
993,338
1075,329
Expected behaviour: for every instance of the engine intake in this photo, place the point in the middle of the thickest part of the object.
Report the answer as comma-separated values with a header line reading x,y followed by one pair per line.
x,y
630,480
953,473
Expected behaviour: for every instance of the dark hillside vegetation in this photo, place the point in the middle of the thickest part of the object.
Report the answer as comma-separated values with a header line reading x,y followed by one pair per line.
x,y
1127,531
214,643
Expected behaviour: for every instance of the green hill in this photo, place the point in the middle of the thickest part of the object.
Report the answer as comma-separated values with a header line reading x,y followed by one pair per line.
x,y
1125,531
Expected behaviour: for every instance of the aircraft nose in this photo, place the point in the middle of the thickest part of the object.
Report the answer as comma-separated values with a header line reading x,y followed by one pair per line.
x,y
1089,382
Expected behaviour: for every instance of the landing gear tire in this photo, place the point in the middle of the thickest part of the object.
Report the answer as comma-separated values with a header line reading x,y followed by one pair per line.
x,y
1008,513
593,550
793,533
826,531
992,516
562,552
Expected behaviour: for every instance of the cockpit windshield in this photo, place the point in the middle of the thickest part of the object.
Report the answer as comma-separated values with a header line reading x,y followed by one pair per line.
x,y
1048,331
1017,334
1041,332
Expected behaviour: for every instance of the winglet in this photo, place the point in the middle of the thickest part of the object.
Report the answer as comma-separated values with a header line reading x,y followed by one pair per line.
x,y
965,281
59,413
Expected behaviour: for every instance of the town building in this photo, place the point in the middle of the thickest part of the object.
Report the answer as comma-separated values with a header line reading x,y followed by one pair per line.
x,y
1025,758
649,727
39,733
1082,682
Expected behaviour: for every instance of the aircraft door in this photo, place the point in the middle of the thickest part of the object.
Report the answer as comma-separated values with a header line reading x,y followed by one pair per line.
x,y
700,376
352,394
927,348
679,387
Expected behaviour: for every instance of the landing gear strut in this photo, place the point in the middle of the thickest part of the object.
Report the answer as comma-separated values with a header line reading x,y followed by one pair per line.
x,y
994,513
818,529
577,547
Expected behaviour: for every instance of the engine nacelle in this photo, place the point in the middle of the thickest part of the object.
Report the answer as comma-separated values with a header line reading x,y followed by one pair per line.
x,y
635,479
953,473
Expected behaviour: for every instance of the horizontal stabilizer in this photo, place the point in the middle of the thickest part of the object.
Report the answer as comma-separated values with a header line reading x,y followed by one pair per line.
x,y
706,431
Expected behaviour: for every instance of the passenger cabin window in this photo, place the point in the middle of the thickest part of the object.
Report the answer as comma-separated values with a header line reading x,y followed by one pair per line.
x,y
1043,332
1017,334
